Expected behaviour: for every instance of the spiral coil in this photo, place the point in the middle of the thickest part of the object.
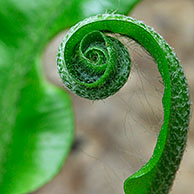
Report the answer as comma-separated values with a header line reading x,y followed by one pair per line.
x,y
95,66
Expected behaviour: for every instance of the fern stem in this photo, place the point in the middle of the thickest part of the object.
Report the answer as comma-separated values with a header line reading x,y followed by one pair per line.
x,y
95,66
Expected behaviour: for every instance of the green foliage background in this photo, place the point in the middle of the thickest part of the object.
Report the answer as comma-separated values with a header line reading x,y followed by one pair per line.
x,y
36,119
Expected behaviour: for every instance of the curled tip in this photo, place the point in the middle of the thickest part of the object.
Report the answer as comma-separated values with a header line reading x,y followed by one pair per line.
x,y
96,67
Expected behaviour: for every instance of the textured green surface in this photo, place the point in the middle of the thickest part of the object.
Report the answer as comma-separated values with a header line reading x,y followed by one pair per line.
x,y
98,64
157,175
36,121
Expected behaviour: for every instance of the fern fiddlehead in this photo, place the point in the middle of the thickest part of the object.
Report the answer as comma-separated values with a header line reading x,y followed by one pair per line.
x,y
95,66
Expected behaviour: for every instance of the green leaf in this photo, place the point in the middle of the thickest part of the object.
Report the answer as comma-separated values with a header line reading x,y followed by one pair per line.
x,y
36,119
94,65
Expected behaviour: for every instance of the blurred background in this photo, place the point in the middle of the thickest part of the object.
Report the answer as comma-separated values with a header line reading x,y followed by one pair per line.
x,y
116,136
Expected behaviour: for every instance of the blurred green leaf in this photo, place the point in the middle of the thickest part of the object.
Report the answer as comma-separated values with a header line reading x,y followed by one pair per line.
x,y
36,119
